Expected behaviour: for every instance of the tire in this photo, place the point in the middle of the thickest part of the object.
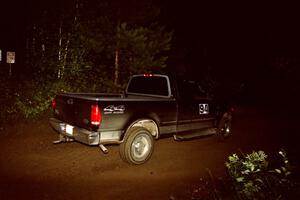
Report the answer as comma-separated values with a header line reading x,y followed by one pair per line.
x,y
225,128
137,146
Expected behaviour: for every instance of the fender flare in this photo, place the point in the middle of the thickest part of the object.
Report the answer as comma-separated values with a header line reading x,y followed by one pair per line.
x,y
146,123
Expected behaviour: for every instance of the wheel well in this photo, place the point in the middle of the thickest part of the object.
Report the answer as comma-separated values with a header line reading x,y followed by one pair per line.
x,y
148,124
227,115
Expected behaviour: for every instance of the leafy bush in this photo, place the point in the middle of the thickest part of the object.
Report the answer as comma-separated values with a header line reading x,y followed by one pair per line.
x,y
36,97
7,108
252,177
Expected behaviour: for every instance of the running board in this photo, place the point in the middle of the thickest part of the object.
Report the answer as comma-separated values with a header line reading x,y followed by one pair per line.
x,y
194,134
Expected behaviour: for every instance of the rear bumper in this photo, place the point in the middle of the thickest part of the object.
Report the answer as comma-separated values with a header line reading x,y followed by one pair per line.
x,y
86,136
81,135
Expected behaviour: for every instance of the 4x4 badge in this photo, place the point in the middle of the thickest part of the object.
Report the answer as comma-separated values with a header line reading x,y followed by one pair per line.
x,y
111,109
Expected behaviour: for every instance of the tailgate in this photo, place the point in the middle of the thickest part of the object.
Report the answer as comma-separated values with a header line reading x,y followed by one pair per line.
x,y
73,110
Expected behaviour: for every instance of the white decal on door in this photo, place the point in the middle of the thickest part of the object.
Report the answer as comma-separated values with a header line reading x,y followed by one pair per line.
x,y
203,108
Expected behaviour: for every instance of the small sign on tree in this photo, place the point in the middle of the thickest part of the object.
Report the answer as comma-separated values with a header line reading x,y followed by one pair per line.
x,y
10,57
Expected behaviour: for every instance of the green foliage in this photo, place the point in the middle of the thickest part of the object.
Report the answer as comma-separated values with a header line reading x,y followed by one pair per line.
x,y
35,98
7,109
80,36
142,49
252,177
144,44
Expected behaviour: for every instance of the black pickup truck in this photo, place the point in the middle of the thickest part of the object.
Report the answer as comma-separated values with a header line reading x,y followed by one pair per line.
x,y
152,106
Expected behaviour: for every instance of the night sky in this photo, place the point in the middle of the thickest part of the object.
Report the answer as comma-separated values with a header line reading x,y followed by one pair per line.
x,y
13,23
237,28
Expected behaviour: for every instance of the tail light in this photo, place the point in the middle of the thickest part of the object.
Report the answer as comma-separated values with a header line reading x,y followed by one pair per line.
x,y
54,104
95,115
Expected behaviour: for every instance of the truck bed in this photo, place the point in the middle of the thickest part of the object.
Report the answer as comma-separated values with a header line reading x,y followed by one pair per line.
x,y
74,108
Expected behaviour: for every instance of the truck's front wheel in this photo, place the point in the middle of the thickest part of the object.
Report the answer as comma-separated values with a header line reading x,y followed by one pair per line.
x,y
137,146
225,126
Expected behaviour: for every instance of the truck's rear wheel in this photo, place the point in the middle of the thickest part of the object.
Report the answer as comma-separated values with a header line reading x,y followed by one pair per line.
x,y
137,147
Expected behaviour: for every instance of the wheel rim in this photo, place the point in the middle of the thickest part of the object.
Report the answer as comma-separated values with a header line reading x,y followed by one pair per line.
x,y
141,147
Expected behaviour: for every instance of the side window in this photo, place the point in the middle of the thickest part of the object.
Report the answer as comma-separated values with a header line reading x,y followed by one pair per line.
x,y
190,90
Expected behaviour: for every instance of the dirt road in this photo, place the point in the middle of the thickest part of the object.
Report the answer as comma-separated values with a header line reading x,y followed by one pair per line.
x,y
31,167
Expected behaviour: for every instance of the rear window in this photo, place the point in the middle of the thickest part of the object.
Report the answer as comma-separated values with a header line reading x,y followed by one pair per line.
x,y
152,85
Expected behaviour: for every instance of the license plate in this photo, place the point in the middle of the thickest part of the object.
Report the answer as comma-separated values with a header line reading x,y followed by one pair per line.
x,y
69,129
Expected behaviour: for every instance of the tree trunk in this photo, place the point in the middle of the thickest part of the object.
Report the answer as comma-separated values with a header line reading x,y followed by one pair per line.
x,y
116,79
60,70
66,52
